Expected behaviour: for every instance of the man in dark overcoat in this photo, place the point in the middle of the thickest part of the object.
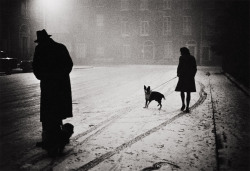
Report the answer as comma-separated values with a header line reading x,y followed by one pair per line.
x,y
52,65
186,72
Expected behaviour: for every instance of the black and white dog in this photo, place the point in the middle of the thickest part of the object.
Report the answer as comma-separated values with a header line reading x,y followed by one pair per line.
x,y
152,95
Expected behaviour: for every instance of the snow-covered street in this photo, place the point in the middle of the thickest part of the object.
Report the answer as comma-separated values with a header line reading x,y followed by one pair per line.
x,y
114,132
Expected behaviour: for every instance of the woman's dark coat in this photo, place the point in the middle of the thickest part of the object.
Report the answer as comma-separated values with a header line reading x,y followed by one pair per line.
x,y
186,72
52,65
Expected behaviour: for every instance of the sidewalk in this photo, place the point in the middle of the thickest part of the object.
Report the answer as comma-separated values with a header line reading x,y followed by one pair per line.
x,y
231,111
238,84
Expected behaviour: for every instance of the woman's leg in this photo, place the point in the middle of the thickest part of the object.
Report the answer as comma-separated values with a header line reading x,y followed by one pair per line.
x,y
188,101
183,100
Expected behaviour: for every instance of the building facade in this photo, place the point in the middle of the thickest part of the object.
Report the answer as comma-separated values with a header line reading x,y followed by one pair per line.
x,y
114,31
18,28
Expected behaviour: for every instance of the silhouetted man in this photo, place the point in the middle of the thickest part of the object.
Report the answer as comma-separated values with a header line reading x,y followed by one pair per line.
x,y
186,72
52,65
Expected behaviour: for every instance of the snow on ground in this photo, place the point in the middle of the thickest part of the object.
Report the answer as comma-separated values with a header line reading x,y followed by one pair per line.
x,y
112,129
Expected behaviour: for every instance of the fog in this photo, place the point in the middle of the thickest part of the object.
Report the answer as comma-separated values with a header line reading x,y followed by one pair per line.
x,y
130,32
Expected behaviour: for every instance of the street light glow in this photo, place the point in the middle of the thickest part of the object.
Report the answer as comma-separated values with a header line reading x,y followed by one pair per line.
x,y
54,14
53,6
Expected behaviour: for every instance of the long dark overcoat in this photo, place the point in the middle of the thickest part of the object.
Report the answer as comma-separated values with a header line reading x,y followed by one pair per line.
x,y
52,65
186,72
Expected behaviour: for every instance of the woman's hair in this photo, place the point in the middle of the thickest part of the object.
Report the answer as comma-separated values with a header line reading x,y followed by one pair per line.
x,y
184,51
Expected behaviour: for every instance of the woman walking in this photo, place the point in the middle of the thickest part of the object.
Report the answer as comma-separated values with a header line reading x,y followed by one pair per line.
x,y
186,72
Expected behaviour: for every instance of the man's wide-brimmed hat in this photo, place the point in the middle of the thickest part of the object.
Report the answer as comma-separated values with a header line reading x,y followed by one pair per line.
x,y
41,35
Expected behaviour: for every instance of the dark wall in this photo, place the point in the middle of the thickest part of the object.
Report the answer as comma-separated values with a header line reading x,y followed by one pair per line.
x,y
232,41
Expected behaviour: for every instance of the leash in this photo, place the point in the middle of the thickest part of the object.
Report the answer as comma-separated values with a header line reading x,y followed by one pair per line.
x,y
165,82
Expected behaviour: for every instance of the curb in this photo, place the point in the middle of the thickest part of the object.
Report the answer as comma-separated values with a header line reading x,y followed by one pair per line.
x,y
238,84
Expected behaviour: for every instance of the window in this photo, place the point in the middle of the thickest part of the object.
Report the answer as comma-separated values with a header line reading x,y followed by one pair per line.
x,y
124,5
187,25
24,41
144,5
144,28
167,4
126,51
187,4
100,51
24,9
125,27
167,25
168,50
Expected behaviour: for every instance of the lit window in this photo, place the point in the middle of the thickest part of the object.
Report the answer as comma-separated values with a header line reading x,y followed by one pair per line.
x,y
166,25
187,25
124,5
167,4
144,28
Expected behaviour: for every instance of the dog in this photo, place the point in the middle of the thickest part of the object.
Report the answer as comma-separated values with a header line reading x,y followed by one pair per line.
x,y
62,140
55,147
152,95
65,134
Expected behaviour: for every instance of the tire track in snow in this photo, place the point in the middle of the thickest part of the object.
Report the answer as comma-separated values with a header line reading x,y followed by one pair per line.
x,y
111,120
93,163
100,128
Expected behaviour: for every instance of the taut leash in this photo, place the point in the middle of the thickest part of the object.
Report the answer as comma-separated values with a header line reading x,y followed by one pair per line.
x,y
165,82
